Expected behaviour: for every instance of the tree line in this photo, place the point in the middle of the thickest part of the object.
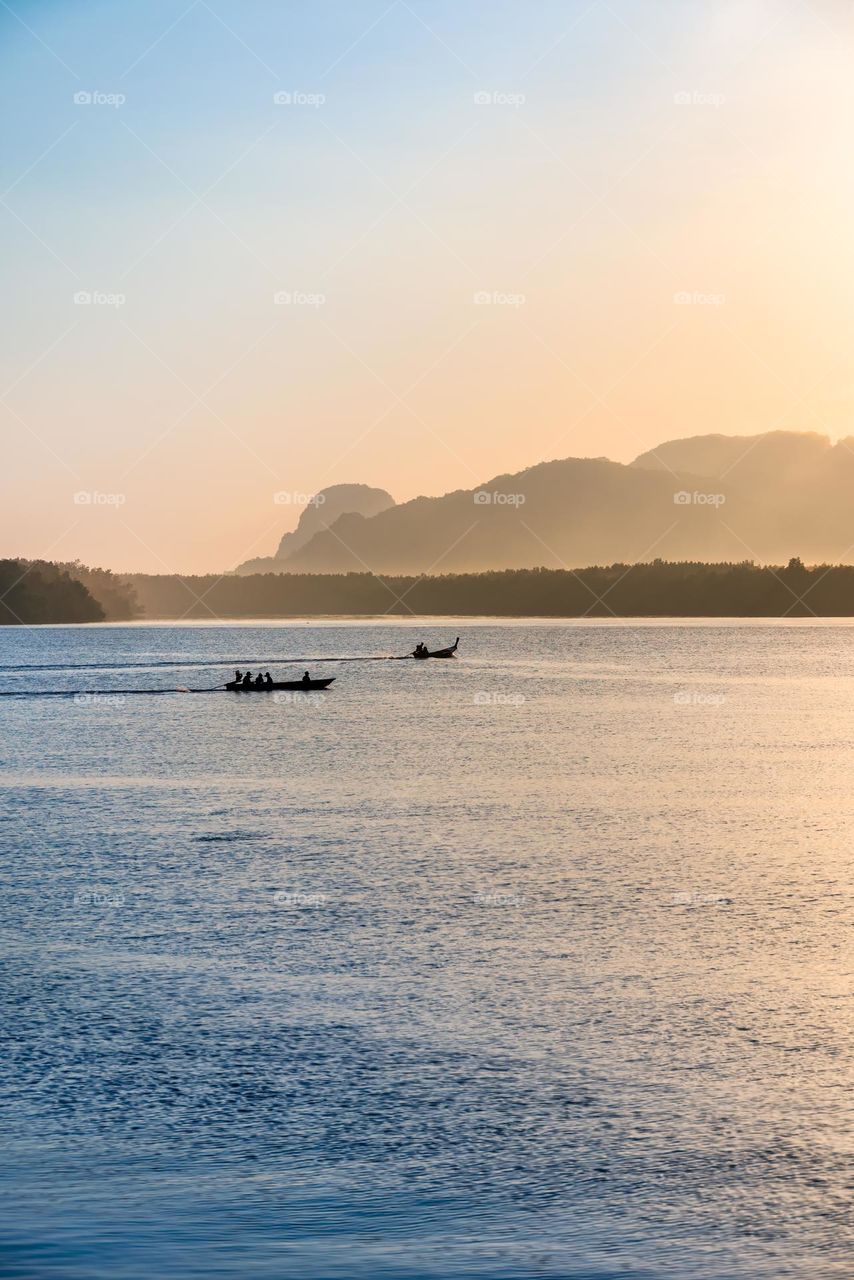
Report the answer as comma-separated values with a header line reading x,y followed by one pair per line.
x,y
41,591
656,589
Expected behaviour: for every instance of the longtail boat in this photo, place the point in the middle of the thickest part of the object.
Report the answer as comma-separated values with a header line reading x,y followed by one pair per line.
x,y
450,652
306,686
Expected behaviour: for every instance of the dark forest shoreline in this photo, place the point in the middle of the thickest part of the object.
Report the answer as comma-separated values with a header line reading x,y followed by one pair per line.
x,y
651,590
39,593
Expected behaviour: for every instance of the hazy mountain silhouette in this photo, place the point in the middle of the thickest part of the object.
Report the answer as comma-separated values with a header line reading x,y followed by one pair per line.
x,y
325,508
789,455
787,492
706,498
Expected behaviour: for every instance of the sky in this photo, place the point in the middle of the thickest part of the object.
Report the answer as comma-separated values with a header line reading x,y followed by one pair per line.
x,y
255,247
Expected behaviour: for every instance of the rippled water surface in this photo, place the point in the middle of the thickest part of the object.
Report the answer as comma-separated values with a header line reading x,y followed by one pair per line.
x,y
535,963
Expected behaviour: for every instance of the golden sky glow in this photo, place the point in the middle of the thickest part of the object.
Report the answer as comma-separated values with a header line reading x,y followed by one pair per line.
x,y
655,198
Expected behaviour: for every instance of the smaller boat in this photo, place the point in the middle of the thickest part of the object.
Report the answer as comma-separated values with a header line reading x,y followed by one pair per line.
x,y
306,686
450,652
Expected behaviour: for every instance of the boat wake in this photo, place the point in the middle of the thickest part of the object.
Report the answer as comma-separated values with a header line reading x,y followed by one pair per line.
x,y
113,694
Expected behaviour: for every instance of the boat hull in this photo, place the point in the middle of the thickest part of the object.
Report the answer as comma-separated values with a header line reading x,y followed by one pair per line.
x,y
296,686
450,652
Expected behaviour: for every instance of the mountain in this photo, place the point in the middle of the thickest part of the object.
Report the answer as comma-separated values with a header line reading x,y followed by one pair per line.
x,y
793,492
321,511
790,455
764,498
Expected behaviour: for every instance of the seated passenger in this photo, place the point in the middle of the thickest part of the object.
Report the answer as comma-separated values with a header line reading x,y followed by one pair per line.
x,y
268,680
306,678
238,676
246,682
259,681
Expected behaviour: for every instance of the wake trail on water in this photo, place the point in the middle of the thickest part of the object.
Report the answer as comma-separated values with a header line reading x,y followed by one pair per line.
x,y
137,666
112,694
199,662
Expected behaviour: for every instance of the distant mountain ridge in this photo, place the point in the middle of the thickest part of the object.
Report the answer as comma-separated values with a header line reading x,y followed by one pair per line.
x,y
785,452
320,512
712,498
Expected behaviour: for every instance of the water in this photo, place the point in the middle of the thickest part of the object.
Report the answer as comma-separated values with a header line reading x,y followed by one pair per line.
x,y
537,963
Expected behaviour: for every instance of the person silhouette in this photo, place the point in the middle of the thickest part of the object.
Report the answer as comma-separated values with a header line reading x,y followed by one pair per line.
x,y
246,682
238,676
306,678
268,680
259,681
